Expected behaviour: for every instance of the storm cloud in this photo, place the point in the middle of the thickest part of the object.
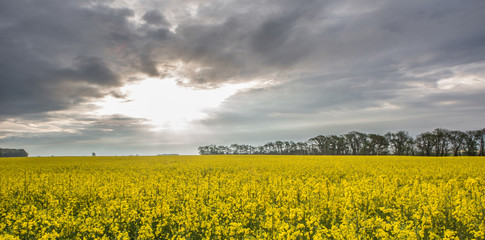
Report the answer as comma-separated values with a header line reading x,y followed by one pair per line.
x,y
55,54
332,66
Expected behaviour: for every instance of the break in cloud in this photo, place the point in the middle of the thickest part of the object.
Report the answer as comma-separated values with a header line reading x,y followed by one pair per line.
x,y
319,67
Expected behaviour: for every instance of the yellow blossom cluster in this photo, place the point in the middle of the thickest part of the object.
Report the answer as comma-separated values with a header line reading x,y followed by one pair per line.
x,y
242,197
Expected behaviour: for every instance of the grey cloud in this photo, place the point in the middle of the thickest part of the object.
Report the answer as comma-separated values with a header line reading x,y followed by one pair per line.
x,y
91,70
148,65
417,33
155,17
270,38
151,54
282,38
53,54
160,34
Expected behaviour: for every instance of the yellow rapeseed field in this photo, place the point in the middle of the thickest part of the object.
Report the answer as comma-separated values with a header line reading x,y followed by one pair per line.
x,y
242,197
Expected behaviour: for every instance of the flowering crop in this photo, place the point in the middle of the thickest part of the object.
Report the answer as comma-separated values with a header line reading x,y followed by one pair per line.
x,y
242,197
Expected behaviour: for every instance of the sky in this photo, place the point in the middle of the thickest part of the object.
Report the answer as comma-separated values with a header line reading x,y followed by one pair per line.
x,y
126,77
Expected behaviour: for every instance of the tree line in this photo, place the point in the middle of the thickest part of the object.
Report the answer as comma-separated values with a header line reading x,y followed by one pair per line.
x,y
439,142
7,152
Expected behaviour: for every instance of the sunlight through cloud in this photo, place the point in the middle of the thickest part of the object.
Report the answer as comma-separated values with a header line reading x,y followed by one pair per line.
x,y
165,104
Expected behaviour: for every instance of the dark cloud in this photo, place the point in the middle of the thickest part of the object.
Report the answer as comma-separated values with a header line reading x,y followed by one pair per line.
x,y
282,38
155,17
54,54
277,37
91,70
148,65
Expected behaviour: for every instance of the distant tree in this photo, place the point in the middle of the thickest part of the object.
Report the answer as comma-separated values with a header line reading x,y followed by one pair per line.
x,y
222,150
320,143
425,143
457,140
481,140
351,142
269,148
202,150
339,145
9,152
470,146
252,149
209,149
355,141
213,149
279,147
400,142
286,147
363,140
243,149
377,144
441,140
292,148
302,148
234,149
260,150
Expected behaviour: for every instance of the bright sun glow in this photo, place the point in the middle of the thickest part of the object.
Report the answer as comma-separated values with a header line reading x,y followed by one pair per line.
x,y
165,104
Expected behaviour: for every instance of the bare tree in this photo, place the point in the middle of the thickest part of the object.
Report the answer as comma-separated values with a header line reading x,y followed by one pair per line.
x,y
401,142
441,141
356,141
425,143
320,142
377,144
457,140
481,140
471,143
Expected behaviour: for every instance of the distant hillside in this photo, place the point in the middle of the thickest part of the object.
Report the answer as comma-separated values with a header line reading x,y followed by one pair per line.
x,y
7,152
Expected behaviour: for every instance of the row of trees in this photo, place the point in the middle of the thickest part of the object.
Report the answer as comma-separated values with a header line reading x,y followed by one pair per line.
x,y
439,142
7,152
